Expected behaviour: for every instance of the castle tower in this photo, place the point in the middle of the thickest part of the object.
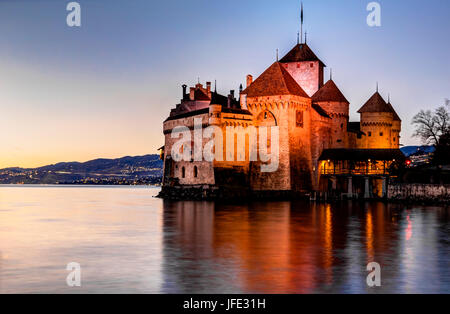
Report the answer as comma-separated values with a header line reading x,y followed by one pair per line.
x,y
331,99
275,99
305,67
377,122
396,127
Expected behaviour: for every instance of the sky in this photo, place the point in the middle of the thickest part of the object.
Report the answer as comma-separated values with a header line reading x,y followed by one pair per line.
x,y
102,90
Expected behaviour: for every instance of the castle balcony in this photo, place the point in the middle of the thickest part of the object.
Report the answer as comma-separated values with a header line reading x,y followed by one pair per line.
x,y
358,173
359,162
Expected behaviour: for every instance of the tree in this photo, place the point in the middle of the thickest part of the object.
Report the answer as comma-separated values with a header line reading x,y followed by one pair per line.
x,y
431,126
434,129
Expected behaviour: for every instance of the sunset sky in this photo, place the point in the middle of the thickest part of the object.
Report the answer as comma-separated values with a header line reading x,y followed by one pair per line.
x,y
104,89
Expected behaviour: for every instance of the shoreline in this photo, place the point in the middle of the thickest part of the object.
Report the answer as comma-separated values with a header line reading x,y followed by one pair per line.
x,y
233,195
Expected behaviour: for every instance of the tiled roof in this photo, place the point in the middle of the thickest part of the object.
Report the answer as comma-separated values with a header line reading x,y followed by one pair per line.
x,y
320,111
376,103
188,114
276,80
396,117
200,95
329,92
301,52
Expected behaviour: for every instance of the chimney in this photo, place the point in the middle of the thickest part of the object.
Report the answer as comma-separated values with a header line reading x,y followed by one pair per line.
x,y
249,80
230,99
184,86
208,86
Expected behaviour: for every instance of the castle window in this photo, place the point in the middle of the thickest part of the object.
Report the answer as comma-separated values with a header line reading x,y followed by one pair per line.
x,y
394,139
342,126
311,65
339,141
370,134
299,119
381,133
265,115
183,172
298,65
195,172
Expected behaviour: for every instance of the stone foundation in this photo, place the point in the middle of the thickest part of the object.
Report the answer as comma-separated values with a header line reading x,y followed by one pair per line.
x,y
427,193
220,193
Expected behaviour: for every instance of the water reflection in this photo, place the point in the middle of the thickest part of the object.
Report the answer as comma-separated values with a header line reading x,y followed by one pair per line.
x,y
295,247
128,241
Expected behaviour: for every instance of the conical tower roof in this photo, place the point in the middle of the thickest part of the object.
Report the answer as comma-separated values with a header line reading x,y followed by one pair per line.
x,y
276,80
376,103
301,52
396,117
329,92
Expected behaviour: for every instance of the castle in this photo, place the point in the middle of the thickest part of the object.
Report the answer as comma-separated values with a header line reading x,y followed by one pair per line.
x,y
320,150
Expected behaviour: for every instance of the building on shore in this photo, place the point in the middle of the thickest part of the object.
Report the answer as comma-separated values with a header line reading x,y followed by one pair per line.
x,y
319,149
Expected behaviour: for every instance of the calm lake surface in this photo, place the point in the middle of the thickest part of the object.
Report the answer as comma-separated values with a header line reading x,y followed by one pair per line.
x,y
127,241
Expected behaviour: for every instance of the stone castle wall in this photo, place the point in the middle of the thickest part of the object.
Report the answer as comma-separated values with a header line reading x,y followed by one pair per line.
x,y
307,74
185,172
278,108
419,192
378,129
339,113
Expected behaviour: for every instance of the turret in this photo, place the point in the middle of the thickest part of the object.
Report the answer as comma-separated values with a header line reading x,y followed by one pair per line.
x,y
215,110
331,99
305,67
377,122
396,127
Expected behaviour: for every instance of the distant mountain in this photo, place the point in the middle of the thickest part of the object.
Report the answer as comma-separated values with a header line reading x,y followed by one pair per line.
x,y
126,170
413,150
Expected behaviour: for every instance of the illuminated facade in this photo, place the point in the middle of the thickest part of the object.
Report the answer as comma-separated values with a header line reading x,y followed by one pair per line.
x,y
319,148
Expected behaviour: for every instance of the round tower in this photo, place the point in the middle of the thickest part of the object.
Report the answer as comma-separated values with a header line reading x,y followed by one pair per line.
x,y
330,99
377,123
215,111
396,127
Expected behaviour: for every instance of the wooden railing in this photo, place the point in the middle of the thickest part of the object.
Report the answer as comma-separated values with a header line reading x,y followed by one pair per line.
x,y
357,171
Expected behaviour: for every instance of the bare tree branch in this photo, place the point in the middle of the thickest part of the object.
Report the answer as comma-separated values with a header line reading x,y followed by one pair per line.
x,y
431,126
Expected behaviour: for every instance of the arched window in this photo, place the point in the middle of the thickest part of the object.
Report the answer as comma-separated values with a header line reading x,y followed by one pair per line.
x,y
195,171
183,172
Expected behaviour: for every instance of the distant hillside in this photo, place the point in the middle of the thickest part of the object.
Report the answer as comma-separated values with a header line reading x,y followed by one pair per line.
x,y
127,170
411,150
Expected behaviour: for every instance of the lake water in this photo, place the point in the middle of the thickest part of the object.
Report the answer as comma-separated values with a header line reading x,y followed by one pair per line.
x,y
127,241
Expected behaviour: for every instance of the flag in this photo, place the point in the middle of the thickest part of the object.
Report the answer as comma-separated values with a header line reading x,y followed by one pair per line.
x,y
301,15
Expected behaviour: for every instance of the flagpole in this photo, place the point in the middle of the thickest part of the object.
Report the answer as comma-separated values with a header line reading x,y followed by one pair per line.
x,y
301,24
